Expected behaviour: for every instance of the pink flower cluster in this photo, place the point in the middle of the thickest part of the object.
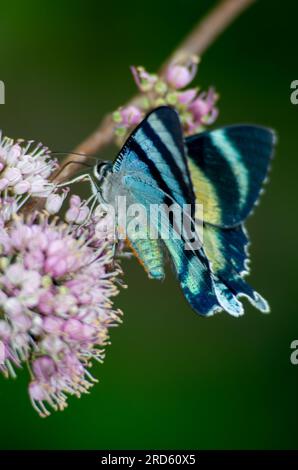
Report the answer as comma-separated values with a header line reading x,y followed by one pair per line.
x,y
57,285
196,109
58,278
24,171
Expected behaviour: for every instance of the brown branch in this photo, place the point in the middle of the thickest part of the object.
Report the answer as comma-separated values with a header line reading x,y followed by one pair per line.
x,y
208,29
196,43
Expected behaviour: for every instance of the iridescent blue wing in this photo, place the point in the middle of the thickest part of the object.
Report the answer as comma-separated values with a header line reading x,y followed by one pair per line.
x,y
205,292
157,142
228,168
149,253
154,170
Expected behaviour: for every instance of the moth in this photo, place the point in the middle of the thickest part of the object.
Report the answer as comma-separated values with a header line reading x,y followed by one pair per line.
x,y
224,170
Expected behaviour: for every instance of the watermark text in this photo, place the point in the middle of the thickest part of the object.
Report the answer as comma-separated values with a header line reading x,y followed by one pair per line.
x,y
294,94
2,92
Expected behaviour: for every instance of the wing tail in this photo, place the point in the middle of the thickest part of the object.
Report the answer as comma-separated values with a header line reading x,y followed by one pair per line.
x,y
227,252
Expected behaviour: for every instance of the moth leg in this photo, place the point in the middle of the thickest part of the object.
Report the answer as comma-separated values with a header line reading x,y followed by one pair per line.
x,y
94,187
92,198
77,179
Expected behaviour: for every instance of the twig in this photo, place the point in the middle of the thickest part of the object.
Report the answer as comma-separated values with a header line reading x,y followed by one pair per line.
x,y
208,29
197,42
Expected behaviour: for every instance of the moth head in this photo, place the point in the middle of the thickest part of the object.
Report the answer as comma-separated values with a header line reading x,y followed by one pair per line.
x,y
101,169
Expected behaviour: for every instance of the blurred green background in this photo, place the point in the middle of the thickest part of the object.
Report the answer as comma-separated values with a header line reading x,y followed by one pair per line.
x,y
171,379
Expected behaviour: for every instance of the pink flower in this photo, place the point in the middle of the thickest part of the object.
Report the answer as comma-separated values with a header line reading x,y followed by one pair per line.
x,y
57,286
195,110
187,96
179,76
46,302
43,368
54,203
105,226
38,394
131,115
78,211
202,111
13,154
3,183
203,105
144,80
24,171
13,175
22,187
52,324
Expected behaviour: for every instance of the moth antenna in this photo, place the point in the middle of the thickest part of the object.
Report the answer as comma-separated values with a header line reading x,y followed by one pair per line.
x,y
71,163
75,153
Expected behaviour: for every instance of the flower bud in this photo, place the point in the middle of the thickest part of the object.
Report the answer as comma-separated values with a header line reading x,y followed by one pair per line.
x,y
131,115
22,187
13,175
54,203
178,76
